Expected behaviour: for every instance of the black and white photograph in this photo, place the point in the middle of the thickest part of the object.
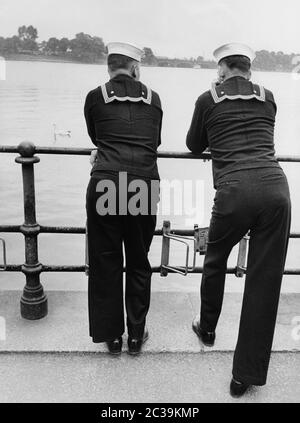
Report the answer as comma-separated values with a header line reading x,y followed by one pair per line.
x,y
149,205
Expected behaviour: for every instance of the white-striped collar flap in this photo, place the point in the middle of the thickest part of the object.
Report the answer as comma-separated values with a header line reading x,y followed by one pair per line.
x,y
146,96
258,93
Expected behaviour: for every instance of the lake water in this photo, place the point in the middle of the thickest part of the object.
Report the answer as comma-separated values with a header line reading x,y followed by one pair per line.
x,y
36,95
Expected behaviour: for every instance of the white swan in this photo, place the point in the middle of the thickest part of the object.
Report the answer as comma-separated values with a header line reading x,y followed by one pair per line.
x,y
60,132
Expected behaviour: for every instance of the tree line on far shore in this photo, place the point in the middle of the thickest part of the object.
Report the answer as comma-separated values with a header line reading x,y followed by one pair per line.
x,y
85,48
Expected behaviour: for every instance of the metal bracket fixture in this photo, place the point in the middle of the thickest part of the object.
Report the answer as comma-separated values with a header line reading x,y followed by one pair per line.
x,y
242,257
4,265
200,240
200,246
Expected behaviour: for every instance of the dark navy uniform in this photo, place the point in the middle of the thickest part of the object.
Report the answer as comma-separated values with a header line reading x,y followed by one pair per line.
x,y
124,122
236,121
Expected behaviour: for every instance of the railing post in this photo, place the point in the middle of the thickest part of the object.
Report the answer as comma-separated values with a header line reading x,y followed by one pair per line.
x,y
34,301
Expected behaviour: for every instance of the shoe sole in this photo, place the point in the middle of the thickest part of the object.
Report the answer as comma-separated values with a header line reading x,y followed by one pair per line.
x,y
199,336
239,395
138,352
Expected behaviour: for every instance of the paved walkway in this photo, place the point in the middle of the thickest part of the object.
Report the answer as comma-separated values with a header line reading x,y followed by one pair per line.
x,y
164,377
170,318
53,359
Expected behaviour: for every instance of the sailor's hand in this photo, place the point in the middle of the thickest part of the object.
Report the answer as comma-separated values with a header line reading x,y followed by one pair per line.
x,y
93,157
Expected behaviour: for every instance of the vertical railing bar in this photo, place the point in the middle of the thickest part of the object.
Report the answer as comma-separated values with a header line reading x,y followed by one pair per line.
x,y
33,301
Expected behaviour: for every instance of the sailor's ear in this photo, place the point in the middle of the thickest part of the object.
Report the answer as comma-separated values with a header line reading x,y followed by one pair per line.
x,y
221,73
249,75
135,71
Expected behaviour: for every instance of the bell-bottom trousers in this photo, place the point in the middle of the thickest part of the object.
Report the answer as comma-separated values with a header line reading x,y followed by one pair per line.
x,y
107,235
257,200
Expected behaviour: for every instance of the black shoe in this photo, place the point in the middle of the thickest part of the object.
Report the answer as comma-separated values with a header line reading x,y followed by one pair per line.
x,y
237,389
115,346
135,344
208,338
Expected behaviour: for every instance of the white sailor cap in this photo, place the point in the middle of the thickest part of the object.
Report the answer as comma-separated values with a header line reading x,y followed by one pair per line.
x,y
234,49
126,49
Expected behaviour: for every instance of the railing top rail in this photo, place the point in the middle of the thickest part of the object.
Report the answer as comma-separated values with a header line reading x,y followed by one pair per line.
x,y
78,151
82,230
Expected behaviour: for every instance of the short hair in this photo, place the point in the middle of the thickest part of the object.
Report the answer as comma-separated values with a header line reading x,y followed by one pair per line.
x,y
242,63
119,61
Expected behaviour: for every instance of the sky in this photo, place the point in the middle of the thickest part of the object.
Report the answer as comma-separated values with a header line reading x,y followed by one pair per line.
x,y
174,28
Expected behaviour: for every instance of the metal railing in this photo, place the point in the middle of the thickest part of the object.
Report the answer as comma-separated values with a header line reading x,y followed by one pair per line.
x,y
34,301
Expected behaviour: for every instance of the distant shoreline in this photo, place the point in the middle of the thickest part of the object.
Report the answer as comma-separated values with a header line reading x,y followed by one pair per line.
x,y
87,49
62,59
44,58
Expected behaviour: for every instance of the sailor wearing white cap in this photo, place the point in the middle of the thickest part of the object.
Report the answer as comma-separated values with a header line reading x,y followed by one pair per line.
x,y
123,119
126,49
235,119
234,49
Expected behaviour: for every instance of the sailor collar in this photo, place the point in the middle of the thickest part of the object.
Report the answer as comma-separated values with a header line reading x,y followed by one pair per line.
x,y
109,94
221,92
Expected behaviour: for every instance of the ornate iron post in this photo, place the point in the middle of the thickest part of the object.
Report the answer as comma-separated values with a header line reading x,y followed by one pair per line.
x,y
34,301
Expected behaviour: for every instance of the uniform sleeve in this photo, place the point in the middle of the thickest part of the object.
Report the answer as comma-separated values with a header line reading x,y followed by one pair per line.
x,y
159,136
88,118
197,140
157,103
160,124
270,98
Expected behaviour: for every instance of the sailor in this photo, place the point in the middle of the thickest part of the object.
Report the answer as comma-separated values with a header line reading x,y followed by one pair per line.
x,y
235,119
123,120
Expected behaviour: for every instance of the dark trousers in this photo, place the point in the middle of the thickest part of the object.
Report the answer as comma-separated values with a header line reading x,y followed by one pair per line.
x,y
106,237
257,200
